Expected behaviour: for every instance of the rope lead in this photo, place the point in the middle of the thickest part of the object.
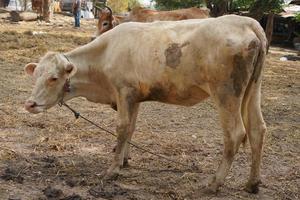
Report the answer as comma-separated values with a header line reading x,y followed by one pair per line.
x,y
77,115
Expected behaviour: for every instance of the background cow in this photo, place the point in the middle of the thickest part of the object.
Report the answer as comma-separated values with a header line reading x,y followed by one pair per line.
x,y
140,14
37,5
107,20
221,58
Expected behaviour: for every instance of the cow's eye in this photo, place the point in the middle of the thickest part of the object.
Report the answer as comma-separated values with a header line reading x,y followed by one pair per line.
x,y
105,24
53,79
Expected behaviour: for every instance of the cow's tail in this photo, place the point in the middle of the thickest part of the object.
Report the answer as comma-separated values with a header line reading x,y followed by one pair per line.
x,y
255,80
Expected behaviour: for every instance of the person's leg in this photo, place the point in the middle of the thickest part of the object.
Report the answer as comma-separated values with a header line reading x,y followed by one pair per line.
x,y
75,19
79,16
6,3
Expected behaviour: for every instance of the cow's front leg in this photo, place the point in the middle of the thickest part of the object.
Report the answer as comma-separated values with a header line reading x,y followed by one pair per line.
x,y
131,130
127,108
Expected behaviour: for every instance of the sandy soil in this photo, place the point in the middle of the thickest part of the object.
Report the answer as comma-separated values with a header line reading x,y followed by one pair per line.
x,y
54,156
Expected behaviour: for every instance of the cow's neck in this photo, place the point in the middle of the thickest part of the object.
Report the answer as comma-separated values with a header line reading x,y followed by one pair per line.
x,y
89,81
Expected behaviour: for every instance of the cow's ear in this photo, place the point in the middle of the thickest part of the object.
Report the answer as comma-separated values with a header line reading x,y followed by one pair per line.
x,y
29,68
100,11
70,70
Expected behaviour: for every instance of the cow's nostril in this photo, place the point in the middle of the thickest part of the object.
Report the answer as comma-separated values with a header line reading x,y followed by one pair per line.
x,y
33,104
30,104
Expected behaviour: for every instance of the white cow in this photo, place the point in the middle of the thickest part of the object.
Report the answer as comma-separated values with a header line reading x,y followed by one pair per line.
x,y
181,62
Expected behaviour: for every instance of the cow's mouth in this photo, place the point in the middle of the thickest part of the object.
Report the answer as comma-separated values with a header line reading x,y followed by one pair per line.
x,y
33,107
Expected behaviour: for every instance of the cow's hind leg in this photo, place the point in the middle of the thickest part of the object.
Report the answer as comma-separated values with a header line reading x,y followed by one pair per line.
x,y
234,132
256,129
127,108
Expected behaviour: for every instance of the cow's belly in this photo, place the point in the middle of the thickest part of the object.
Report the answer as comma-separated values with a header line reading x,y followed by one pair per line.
x,y
186,97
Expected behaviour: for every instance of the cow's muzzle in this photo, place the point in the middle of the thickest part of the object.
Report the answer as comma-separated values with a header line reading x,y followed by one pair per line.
x,y
33,107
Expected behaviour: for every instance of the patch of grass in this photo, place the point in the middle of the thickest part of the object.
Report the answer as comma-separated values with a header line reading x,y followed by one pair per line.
x,y
41,43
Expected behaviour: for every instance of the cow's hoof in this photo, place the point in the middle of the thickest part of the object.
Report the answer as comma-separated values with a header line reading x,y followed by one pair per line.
x,y
252,187
126,163
112,173
213,187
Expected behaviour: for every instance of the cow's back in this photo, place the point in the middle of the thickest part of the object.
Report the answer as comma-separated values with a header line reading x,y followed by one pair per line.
x,y
196,37
147,15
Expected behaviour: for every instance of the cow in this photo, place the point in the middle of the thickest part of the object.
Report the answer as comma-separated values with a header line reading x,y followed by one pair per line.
x,y
37,5
140,14
107,20
174,62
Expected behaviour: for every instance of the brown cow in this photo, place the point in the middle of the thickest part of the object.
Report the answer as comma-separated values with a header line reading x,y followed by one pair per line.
x,y
107,20
37,5
140,14
221,58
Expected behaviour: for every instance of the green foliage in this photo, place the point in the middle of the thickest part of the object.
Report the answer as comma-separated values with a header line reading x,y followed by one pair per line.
x,y
274,6
297,17
265,5
241,4
236,5
176,4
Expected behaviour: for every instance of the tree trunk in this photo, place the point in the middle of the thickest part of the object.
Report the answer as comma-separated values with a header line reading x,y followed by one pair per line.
x,y
23,16
269,29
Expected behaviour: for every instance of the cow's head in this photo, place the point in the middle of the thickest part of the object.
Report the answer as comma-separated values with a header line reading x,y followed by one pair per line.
x,y
50,76
105,22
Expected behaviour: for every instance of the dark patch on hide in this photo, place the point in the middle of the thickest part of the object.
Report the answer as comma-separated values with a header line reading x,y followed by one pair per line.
x,y
132,99
173,54
157,93
239,73
253,45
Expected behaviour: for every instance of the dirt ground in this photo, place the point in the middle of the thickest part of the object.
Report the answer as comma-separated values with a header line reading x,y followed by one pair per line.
x,y
53,156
